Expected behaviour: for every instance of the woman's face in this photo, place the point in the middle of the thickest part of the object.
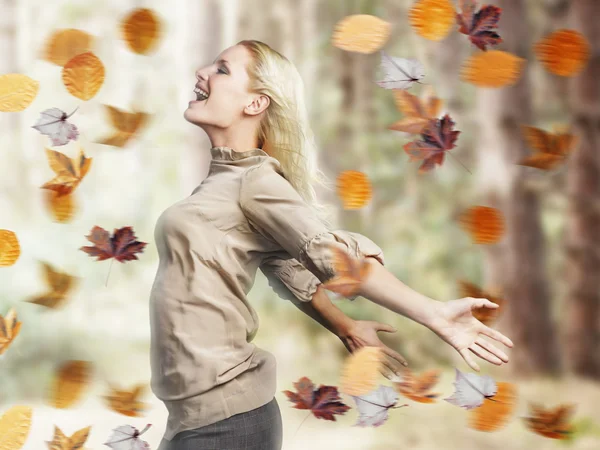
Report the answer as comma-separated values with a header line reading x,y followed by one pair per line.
x,y
226,82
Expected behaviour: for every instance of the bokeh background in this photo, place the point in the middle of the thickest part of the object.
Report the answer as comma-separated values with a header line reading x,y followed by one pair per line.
x,y
547,262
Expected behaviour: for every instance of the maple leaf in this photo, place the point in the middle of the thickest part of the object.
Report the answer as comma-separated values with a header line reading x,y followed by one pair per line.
x,y
61,442
478,26
553,422
373,407
60,283
418,388
127,437
127,124
323,402
122,245
436,138
349,273
551,149
69,171
417,111
53,123
126,401
9,329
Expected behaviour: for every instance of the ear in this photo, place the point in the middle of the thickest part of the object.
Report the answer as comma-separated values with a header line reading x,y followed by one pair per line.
x,y
259,104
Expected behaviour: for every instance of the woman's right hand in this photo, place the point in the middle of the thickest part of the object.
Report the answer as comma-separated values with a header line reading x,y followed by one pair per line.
x,y
363,333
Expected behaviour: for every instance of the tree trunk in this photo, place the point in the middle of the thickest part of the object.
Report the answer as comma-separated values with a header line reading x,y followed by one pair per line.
x,y
583,186
517,262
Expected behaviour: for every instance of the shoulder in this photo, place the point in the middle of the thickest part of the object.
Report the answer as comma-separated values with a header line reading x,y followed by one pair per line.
x,y
268,166
264,177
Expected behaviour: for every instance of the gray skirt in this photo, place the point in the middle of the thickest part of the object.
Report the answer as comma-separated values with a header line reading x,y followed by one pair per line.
x,y
258,429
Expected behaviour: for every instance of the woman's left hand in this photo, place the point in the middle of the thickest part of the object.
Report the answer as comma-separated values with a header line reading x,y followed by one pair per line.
x,y
454,322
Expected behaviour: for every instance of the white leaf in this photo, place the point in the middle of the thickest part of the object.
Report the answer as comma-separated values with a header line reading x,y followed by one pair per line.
x,y
471,389
126,437
53,123
400,73
373,407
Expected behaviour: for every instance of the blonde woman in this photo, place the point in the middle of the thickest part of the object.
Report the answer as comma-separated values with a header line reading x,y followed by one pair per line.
x,y
257,209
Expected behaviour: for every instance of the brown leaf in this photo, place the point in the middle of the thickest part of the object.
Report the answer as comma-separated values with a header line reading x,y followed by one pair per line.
x,y
61,442
127,401
485,315
349,271
418,388
70,382
60,285
552,422
551,149
9,329
478,25
122,245
127,124
69,171
323,402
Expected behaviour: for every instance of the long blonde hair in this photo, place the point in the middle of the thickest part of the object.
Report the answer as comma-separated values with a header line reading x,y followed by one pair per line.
x,y
284,132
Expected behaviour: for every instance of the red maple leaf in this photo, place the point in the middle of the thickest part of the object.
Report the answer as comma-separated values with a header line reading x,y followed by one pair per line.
x,y
479,26
436,138
323,402
122,246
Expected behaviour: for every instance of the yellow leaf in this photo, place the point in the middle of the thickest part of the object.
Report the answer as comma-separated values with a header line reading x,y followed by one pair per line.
x,y
62,207
493,68
17,91
71,379
61,442
69,171
141,30
127,402
354,189
362,33
126,123
66,43
60,284
432,19
14,427
10,250
83,75
9,329
361,370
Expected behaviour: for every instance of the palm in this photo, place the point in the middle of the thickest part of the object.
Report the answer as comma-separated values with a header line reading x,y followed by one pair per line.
x,y
454,323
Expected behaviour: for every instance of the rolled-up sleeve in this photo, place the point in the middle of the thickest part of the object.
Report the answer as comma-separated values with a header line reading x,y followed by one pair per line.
x,y
290,279
277,211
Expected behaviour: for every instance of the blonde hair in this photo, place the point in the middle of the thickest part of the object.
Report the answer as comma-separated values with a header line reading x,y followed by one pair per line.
x,y
284,131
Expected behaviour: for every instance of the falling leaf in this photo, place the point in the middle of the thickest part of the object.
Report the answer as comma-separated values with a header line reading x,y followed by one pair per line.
x,y
495,411
10,249
418,388
478,25
53,122
127,402
437,137
551,149
83,75
471,389
323,402
122,245
62,442
362,33
127,437
66,43
418,111
399,73
432,19
62,207
374,406
493,68
17,92
9,329
15,425
349,273
69,384
69,171
60,284
485,315
552,422
127,125
361,370
141,30
354,189
563,52
484,224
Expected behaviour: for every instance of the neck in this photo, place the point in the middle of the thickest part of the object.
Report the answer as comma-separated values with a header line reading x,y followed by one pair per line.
x,y
239,140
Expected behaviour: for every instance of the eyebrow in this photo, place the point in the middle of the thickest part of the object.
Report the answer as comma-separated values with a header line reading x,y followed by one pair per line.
x,y
222,60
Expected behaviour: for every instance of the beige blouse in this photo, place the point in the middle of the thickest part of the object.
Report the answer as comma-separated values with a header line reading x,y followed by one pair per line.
x,y
244,215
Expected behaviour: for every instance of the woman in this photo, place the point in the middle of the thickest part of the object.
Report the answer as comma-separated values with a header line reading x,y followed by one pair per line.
x,y
257,209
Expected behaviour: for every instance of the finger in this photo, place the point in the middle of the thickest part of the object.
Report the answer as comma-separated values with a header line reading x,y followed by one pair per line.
x,y
392,365
395,355
469,359
494,334
386,372
484,354
492,348
385,327
481,302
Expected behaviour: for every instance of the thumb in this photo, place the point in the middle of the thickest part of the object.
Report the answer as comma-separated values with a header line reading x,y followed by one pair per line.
x,y
386,327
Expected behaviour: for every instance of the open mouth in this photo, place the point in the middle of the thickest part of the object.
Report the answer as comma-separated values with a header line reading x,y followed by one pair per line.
x,y
200,94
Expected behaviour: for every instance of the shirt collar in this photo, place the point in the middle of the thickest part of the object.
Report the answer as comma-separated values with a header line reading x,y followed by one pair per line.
x,y
229,154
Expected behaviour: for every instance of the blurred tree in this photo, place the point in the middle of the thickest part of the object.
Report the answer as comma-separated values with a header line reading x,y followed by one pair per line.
x,y
517,263
583,186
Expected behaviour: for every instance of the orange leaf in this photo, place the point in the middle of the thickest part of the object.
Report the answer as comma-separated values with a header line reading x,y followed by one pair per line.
x,y
141,30
361,370
362,33
493,68
354,189
418,388
127,124
552,422
70,381
60,284
551,149
563,52
10,250
350,273
62,207
432,19
127,402
483,223
9,329
418,111
495,411
64,44
485,315
83,75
